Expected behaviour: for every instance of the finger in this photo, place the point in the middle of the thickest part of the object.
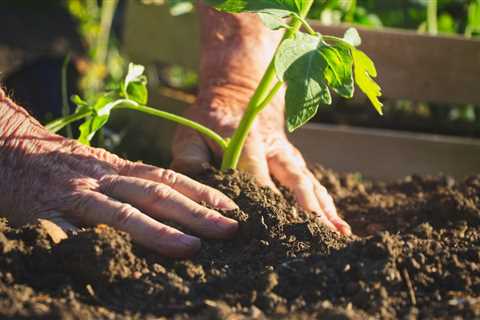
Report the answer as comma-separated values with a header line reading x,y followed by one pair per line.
x,y
328,206
190,152
254,161
162,202
96,208
183,184
290,171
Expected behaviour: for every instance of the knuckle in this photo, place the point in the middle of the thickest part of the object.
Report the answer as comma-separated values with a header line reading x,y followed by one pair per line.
x,y
124,215
79,203
108,184
159,192
126,167
83,183
168,176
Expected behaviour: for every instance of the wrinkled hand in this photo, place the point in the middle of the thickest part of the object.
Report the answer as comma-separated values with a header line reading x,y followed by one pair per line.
x,y
267,153
42,173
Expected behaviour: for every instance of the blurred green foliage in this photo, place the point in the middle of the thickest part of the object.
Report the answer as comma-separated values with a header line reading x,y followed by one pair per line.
x,y
104,63
453,16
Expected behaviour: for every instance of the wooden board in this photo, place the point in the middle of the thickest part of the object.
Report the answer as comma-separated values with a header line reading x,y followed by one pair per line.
x,y
411,65
421,67
387,155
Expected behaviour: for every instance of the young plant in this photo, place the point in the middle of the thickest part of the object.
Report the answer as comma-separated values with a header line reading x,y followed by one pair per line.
x,y
311,64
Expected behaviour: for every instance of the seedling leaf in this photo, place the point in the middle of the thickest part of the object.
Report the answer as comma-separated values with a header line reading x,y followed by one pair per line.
x,y
82,105
138,92
364,72
135,84
237,6
351,36
309,66
273,19
99,118
89,128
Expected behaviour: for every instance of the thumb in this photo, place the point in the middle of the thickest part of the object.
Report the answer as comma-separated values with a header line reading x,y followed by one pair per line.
x,y
189,151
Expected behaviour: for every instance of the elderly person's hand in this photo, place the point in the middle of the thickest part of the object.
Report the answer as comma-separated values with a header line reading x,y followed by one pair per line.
x,y
43,174
236,51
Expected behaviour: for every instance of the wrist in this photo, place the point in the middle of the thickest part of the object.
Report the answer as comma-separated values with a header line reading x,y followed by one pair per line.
x,y
18,130
236,51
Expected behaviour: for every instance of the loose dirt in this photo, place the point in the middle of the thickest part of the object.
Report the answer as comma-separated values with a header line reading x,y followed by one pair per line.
x,y
416,254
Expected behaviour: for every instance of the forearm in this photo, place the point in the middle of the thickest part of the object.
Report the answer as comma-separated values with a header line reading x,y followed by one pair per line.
x,y
236,50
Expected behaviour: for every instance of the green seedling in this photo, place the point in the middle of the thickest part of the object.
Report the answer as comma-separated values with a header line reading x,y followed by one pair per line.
x,y
311,64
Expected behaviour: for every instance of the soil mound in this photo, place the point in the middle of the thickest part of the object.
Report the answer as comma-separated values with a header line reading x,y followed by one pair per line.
x,y
416,255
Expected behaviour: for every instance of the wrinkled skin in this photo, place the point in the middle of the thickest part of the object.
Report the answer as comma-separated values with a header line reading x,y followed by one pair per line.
x,y
236,52
47,176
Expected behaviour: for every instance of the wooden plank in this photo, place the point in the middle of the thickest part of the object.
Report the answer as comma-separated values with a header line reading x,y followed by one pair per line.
x,y
411,65
422,67
387,155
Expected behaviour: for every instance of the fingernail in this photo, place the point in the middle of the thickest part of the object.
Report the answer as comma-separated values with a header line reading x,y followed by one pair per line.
x,y
228,204
226,226
346,230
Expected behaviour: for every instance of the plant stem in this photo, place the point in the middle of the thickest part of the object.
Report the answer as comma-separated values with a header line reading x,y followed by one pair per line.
x,y
336,39
65,104
103,39
307,26
178,119
262,96
59,124
349,17
432,12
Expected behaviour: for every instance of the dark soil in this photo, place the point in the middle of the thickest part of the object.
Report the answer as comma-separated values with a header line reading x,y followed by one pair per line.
x,y
417,255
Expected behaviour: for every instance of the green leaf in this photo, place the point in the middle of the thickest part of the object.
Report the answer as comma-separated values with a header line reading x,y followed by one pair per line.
x,y
237,6
351,36
79,101
135,84
135,73
272,12
302,101
364,72
102,109
273,19
138,92
90,127
339,71
309,66
81,104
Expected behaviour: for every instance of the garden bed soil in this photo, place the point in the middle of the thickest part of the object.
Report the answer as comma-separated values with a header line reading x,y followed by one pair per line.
x,y
416,254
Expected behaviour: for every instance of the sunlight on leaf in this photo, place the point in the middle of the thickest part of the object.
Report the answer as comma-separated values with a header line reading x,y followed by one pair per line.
x,y
364,72
310,66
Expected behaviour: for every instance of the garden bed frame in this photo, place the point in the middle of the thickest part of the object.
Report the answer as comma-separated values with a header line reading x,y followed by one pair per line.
x,y
411,66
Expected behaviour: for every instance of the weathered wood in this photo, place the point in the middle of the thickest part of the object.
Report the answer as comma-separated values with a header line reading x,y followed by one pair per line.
x,y
385,154
411,65
422,67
